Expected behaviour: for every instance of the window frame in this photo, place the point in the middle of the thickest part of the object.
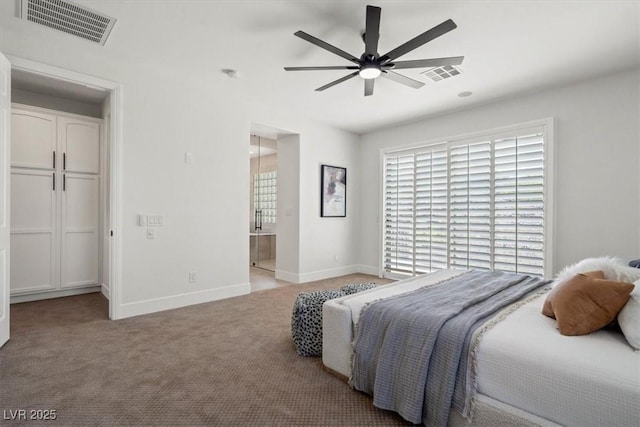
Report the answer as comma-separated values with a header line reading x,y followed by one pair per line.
x,y
546,126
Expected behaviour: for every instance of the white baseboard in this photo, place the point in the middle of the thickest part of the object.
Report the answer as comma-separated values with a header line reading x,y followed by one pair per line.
x,y
369,269
139,308
325,274
287,276
105,291
53,294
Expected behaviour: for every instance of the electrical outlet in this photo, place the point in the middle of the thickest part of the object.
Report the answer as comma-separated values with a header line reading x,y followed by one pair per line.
x,y
192,277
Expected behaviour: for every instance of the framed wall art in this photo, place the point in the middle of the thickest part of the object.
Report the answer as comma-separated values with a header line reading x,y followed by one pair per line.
x,y
333,190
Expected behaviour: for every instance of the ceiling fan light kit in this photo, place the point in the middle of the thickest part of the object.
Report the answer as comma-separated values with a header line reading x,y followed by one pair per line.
x,y
370,71
371,64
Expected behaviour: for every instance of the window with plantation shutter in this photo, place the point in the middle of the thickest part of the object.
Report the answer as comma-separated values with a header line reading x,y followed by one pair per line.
x,y
477,203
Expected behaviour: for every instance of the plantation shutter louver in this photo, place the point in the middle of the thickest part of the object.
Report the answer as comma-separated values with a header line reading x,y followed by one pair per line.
x,y
470,208
431,211
474,204
399,214
519,204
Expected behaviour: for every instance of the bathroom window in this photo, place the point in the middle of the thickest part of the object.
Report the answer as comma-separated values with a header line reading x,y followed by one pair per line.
x,y
264,195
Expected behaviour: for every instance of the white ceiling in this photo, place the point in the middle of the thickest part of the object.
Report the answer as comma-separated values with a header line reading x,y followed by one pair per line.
x,y
510,48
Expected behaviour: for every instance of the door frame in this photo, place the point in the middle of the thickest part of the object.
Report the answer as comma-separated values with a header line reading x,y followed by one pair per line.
x,y
5,200
114,141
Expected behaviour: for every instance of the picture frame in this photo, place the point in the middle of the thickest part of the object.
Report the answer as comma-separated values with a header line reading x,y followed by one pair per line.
x,y
333,191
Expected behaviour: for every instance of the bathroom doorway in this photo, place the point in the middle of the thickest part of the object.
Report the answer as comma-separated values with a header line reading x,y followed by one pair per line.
x,y
262,202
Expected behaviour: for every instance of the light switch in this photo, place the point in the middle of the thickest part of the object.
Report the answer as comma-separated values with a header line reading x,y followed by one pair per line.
x,y
142,220
151,233
155,220
188,158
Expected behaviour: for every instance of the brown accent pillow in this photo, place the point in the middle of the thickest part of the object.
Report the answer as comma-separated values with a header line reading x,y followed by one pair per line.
x,y
586,302
547,310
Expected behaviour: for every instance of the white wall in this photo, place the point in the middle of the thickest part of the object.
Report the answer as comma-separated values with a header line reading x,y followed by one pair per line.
x,y
597,159
204,204
329,246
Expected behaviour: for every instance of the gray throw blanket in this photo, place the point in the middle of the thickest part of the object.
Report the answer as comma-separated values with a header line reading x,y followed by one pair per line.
x,y
411,350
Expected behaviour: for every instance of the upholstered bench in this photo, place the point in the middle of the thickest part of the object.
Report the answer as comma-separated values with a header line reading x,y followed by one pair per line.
x,y
353,288
306,318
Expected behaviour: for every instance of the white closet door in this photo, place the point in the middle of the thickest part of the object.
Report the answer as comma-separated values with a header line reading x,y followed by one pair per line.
x,y
79,230
33,231
80,142
33,139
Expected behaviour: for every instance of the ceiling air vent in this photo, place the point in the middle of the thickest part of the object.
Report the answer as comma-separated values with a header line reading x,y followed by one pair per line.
x,y
69,18
441,73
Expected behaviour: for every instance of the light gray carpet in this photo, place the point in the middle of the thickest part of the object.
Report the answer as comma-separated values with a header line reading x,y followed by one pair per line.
x,y
229,362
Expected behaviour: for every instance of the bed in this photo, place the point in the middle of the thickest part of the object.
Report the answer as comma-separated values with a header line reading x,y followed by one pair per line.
x,y
525,372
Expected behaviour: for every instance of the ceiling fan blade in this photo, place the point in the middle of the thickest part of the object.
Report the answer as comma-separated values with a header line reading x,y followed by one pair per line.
x,y
335,82
326,46
399,78
425,63
418,41
331,67
368,86
372,30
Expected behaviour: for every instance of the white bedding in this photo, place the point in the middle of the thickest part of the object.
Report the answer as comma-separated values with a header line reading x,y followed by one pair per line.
x,y
523,361
589,380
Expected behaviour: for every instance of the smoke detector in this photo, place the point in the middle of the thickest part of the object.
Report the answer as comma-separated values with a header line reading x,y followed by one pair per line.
x,y
441,73
69,18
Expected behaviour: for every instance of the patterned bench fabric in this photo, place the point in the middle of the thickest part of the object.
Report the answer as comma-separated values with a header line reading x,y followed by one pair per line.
x,y
306,318
353,288
306,321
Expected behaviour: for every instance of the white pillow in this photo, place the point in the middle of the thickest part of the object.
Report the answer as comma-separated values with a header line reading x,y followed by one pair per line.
x,y
613,269
629,317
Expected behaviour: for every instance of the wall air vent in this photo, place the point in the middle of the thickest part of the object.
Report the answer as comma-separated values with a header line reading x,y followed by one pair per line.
x,y
69,18
441,73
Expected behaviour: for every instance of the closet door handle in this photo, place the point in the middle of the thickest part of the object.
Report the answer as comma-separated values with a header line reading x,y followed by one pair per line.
x,y
54,181
64,182
64,161
54,159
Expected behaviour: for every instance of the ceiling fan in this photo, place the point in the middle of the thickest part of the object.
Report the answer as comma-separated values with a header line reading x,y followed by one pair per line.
x,y
371,64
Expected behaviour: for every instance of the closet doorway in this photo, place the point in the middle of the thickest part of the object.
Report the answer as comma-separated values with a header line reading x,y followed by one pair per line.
x,y
59,188
263,197
54,78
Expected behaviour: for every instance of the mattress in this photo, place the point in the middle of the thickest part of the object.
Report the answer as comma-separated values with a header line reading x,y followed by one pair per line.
x,y
588,380
522,362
